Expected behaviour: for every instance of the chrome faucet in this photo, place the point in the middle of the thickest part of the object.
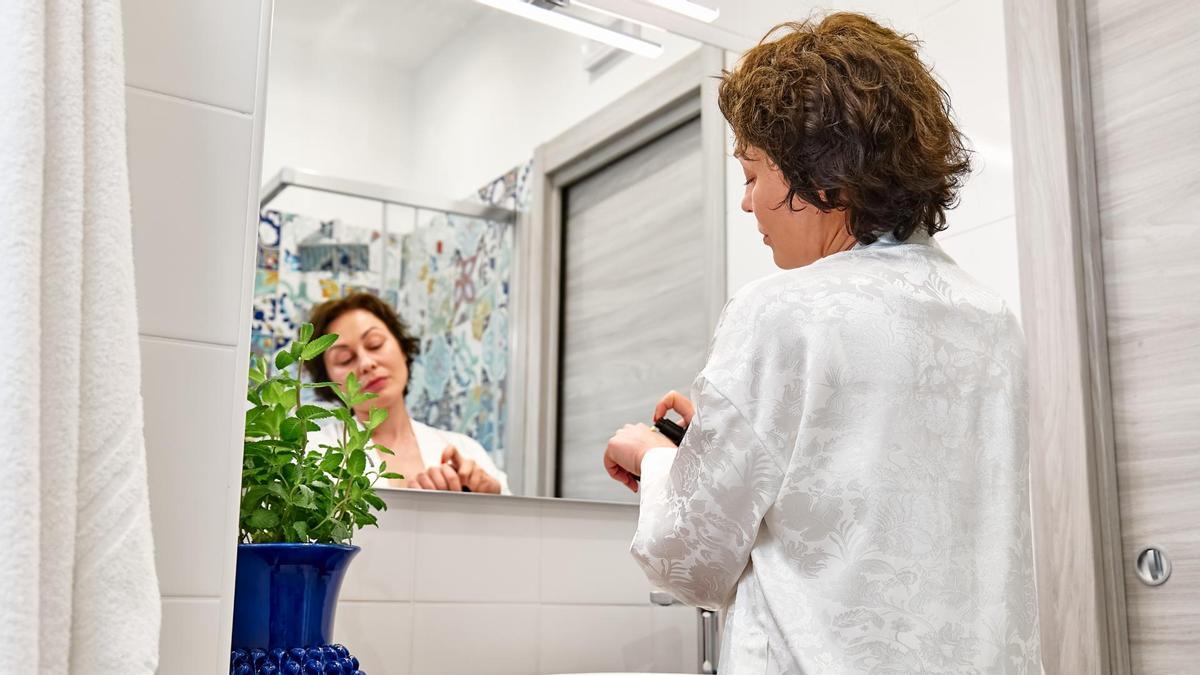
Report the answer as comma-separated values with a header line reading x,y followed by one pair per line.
x,y
708,631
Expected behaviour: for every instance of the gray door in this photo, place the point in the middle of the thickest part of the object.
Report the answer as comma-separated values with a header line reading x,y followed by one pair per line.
x,y
1145,82
634,305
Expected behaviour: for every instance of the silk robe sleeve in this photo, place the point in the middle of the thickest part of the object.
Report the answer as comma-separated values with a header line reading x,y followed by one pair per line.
x,y
703,504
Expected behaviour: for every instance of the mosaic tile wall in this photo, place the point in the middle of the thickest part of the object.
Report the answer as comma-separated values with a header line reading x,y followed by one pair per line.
x,y
449,279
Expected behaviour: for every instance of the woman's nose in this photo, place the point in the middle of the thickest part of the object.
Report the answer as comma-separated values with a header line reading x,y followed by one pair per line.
x,y
747,205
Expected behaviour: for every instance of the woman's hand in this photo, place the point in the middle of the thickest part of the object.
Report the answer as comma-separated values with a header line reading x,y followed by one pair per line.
x,y
470,475
623,456
454,474
677,402
440,477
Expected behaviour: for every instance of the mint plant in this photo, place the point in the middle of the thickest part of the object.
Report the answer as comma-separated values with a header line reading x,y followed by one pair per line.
x,y
289,492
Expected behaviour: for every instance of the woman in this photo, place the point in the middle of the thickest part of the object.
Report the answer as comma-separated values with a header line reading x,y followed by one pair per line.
x,y
374,345
853,484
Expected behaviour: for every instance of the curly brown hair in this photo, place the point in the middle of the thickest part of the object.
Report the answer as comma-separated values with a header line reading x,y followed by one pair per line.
x,y
853,118
327,312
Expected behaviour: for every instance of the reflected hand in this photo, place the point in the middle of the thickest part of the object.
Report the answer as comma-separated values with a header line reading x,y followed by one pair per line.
x,y
623,455
470,474
677,402
440,477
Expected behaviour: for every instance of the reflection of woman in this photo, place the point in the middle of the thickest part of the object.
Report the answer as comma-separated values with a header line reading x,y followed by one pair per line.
x,y
853,484
374,345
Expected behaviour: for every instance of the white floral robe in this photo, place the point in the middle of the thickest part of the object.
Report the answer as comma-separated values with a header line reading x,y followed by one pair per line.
x,y
854,485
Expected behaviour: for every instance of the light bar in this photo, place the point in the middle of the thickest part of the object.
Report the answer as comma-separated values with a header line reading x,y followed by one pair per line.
x,y
576,25
620,17
689,9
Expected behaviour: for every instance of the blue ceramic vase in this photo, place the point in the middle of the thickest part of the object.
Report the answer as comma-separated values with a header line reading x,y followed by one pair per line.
x,y
284,607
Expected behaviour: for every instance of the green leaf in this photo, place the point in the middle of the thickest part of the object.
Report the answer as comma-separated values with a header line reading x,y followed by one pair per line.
x,y
292,430
315,348
378,415
262,519
301,529
392,475
374,500
332,461
305,497
283,359
256,448
383,449
273,394
252,497
314,412
257,372
357,462
306,332
353,386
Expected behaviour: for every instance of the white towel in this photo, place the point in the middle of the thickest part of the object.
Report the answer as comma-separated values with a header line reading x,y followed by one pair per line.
x,y
79,590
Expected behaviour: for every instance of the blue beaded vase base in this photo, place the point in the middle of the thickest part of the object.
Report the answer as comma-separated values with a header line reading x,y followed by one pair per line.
x,y
312,660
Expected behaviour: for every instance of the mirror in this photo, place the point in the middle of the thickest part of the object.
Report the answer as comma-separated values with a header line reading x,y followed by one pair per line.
x,y
508,188
398,162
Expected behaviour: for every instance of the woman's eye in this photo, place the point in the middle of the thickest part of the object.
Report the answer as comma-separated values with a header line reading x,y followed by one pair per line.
x,y
375,345
749,181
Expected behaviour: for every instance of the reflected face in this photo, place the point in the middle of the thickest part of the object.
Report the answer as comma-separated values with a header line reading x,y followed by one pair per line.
x,y
368,349
797,236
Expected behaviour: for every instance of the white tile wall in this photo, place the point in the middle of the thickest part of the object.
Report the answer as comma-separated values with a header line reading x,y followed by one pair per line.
x,y
190,177
384,568
551,582
474,639
989,254
193,75
201,51
472,548
590,638
676,638
585,556
379,634
190,630
964,42
187,396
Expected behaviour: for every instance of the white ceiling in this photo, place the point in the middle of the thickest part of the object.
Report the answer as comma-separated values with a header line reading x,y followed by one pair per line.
x,y
411,29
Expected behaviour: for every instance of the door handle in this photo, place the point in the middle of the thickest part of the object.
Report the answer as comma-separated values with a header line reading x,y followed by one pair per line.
x,y
1153,566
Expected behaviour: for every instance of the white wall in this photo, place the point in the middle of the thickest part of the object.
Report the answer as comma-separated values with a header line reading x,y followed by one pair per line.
x,y
470,111
473,109
505,85
964,41
477,584
338,111
194,99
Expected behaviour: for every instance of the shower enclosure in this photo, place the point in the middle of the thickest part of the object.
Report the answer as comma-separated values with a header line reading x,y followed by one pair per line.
x,y
445,265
